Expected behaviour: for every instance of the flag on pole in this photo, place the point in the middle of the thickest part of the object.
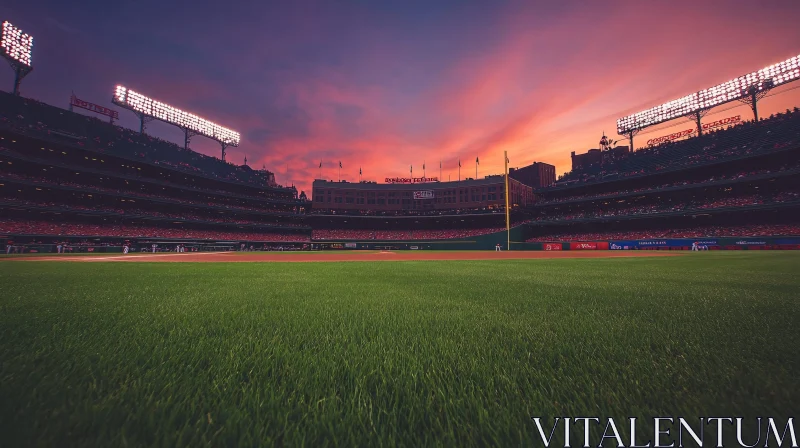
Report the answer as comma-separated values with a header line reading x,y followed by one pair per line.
x,y
359,171
459,163
423,165
320,163
476,161
340,164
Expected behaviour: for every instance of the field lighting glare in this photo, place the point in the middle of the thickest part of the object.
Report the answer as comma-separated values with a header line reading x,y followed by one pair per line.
x,y
736,89
17,46
190,122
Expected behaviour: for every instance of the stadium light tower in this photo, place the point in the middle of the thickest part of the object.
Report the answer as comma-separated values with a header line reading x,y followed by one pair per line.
x,y
17,49
148,109
755,92
749,89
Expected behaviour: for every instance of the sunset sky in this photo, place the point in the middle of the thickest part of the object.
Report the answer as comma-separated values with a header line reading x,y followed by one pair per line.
x,y
384,85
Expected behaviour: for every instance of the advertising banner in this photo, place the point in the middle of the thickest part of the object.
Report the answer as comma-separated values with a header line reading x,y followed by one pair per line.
x,y
411,180
551,246
74,101
751,243
691,132
602,245
350,245
648,244
427,194
670,137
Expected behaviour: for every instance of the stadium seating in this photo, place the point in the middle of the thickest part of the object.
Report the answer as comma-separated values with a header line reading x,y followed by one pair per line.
x,y
668,206
50,228
775,133
202,197
38,119
399,235
138,193
742,181
699,232
105,181
737,176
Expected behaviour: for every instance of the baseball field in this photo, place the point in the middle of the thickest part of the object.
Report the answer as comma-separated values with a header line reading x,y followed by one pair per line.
x,y
218,351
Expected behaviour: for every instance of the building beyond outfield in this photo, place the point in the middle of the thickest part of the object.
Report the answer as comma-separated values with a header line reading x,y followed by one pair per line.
x,y
429,196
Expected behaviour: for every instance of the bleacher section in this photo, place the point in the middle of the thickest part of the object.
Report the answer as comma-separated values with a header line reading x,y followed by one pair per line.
x,y
399,235
777,133
745,177
56,125
755,230
65,176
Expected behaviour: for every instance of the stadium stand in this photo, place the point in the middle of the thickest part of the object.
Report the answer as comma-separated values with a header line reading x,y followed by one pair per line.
x,y
40,229
54,124
399,235
742,180
699,232
73,177
778,132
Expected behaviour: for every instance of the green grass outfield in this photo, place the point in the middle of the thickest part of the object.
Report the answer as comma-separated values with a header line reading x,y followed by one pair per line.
x,y
381,354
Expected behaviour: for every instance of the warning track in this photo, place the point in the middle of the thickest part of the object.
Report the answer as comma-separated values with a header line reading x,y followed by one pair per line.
x,y
253,257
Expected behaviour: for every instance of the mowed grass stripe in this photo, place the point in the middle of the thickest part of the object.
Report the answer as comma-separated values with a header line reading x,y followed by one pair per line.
x,y
383,354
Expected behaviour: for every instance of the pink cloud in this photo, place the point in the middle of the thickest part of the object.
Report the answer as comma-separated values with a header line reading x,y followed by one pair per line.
x,y
539,92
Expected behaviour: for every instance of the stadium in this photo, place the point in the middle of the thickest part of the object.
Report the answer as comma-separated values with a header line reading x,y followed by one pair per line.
x,y
154,295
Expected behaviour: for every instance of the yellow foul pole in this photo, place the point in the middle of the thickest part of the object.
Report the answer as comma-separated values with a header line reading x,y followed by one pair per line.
x,y
508,222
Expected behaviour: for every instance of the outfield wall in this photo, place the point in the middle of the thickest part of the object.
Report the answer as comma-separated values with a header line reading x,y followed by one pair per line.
x,y
479,242
724,243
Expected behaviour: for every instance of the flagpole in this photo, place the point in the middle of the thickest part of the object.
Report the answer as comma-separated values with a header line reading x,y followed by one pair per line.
x,y
423,168
476,168
440,170
508,223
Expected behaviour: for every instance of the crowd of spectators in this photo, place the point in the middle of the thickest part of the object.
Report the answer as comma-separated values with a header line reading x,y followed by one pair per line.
x,y
387,235
50,228
710,179
696,232
774,133
37,119
448,212
667,207
274,209
286,196
138,212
